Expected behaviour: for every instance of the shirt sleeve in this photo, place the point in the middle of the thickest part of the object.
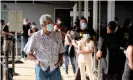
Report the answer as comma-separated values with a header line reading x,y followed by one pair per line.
x,y
101,44
30,46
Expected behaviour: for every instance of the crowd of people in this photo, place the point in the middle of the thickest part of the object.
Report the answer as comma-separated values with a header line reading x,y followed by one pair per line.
x,y
55,45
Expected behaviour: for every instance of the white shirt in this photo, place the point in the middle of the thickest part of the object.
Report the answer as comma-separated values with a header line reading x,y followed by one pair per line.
x,y
47,48
85,46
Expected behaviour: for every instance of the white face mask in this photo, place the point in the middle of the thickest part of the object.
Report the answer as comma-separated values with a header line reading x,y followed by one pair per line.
x,y
58,22
86,36
49,27
33,26
25,23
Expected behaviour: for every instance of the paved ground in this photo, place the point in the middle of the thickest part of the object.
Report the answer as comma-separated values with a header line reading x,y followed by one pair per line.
x,y
26,71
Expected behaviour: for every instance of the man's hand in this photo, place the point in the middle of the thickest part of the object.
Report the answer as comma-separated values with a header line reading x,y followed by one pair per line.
x,y
37,62
31,57
60,60
98,54
58,63
10,34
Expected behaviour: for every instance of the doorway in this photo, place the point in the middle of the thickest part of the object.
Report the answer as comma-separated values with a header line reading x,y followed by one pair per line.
x,y
64,14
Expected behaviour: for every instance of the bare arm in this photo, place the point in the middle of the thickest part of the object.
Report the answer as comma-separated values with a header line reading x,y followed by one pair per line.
x,y
6,33
101,44
67,39
29,48
29,32
98,54
90,50
129,55
61,51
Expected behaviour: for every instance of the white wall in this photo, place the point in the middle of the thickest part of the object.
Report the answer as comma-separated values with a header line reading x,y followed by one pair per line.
x,y
33,11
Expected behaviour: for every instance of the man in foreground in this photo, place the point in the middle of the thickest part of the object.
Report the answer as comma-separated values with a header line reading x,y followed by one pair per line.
x,y
48,48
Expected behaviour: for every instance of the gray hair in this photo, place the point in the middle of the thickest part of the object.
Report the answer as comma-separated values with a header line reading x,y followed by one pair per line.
x,y
43,18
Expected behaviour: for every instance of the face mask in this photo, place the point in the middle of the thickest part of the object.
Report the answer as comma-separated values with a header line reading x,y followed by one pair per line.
x,y
86,36
33,26
83,25
58,22
25,23
49,27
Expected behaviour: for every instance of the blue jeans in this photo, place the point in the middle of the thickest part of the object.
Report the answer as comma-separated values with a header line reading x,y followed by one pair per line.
x,y
37,70
47,75
66,60
24,40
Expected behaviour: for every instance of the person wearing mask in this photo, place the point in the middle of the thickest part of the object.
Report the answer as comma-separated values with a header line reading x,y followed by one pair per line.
x,y
24,37
77,23
56,28
48,48
59,21
85,50
69,52
62,28
128,72
83,29
112,58
33,29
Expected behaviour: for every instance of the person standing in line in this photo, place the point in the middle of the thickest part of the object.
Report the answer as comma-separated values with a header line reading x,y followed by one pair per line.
x,y
128,72
69,52
85,50
48,48
24,37
111,57
83,29
33,29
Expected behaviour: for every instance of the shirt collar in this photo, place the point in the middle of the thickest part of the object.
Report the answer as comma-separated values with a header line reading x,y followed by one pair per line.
x,y
42,33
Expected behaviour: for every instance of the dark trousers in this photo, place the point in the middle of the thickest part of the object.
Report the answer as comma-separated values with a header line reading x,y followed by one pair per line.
x,y
110,77
128,73
66,60
77,77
